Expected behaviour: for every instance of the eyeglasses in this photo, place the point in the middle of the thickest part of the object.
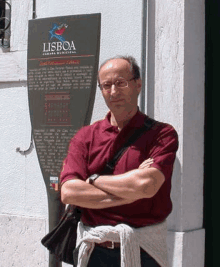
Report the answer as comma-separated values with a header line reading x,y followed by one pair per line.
x,y
122,83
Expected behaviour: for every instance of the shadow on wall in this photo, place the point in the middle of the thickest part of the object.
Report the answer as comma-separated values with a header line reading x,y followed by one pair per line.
x,y
173,221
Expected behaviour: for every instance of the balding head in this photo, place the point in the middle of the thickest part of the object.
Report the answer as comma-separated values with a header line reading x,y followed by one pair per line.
x,y
133,66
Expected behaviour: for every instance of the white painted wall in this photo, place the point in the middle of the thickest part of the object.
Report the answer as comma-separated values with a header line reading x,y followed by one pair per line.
x,y
175,94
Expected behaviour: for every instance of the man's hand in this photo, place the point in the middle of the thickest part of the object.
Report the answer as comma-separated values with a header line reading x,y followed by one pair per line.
x,y
146,164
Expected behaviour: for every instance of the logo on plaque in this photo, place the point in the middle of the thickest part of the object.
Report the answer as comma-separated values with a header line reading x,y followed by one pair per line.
x,y
57,32
62,46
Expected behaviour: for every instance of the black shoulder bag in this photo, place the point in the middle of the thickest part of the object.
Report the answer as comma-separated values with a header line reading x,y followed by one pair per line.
x,y
61,241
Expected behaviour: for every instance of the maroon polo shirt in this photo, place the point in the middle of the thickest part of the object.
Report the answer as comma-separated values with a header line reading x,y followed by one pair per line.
x,y
94,145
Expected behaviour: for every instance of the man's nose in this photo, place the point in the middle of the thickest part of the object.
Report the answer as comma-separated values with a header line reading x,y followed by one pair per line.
x,y
114,90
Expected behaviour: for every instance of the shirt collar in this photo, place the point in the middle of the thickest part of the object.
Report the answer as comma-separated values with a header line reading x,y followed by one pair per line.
x,y
136,121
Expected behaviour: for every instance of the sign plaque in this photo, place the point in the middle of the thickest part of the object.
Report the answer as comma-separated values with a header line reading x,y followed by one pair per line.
x,y
63,56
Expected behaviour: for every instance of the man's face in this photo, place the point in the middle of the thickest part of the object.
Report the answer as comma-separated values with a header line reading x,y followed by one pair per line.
x,y
119,99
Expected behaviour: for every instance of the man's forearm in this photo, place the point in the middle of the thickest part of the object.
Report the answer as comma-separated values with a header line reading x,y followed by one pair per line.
x,y
133,185
82,194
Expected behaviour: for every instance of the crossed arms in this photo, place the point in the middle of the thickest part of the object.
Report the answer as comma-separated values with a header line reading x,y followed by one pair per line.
x,y
114,190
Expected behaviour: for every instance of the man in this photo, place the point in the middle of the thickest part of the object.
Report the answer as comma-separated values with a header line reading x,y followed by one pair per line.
x,y
124,214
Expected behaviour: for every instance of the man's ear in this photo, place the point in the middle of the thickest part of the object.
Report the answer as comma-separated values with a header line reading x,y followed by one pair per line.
x,y
139,85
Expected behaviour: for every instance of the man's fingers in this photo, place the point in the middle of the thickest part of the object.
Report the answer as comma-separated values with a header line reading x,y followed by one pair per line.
x,y
146,163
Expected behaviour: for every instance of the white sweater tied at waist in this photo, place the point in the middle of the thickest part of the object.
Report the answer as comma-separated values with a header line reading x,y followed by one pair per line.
x,y
152,239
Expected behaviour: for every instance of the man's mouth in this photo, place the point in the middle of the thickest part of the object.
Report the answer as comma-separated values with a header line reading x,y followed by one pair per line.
x,y
116,100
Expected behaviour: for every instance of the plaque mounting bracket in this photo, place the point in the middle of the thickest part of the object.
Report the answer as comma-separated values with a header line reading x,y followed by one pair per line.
x,y
34,10
27,151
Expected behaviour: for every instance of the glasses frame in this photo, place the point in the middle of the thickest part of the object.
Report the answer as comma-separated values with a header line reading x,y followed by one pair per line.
x,y
108,90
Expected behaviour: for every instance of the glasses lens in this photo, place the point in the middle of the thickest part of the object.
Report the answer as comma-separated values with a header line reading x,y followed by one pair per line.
x,y
121,83
106,86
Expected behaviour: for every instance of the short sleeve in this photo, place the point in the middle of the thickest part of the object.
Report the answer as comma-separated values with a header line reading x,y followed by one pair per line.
x,y
75,163
164,149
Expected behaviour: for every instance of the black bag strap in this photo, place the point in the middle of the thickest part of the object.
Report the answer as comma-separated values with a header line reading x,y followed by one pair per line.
x,y
148,124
